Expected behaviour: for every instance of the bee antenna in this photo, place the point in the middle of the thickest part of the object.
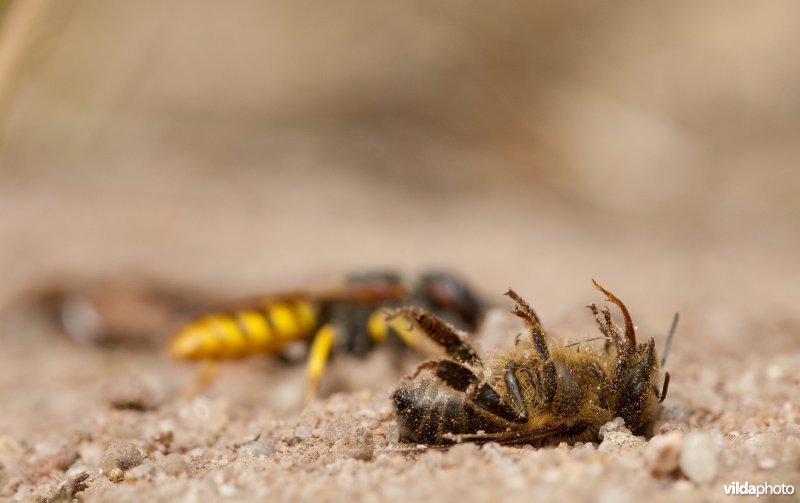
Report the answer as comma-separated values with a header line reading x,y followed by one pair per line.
x,y
668,341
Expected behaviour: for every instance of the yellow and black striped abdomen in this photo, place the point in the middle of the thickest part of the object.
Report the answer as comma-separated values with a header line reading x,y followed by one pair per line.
x,y
245,332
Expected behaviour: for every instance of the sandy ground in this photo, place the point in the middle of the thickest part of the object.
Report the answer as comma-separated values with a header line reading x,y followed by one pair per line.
x,y
731,415
241,150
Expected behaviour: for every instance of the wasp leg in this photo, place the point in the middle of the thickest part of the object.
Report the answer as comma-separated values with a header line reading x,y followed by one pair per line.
x,y
549,376
441,333
317,359
206,374
381,322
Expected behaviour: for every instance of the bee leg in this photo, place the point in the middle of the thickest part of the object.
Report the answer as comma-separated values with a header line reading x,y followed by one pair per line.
x,y
614,339
625,344
317,359
455,375
524,311
441,333
629,342
460,378
488,399
607,327
513,389
549,375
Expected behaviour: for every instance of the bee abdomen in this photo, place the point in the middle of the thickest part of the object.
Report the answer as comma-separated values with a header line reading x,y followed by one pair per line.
x,y
426,412
243,333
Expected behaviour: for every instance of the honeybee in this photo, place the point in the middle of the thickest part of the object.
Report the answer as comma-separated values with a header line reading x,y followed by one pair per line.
x,y
350,318
537,393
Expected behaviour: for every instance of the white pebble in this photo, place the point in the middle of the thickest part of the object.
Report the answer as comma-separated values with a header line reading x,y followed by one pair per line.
x,y
699,458
226,490
766,463
196,452
663,453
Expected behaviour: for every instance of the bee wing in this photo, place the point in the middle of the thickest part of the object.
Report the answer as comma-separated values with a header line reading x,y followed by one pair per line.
x,y
519,437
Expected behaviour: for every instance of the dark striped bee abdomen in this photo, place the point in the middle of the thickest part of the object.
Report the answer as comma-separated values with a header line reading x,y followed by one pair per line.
x,y
428,411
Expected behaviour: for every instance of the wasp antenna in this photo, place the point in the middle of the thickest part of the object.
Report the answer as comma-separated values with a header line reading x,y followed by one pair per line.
x,y
630,333
668,340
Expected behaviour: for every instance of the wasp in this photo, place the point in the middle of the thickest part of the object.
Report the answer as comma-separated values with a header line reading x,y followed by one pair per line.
x,y
349,318
539,392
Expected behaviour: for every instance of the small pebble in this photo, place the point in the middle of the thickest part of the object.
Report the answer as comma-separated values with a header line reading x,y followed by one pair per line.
x,y
302,432
145,471
196,452
257,449
116,475
226,490
120,454
663,453
766,463
358,444
698,460
775,372
134,393
618,424
460,454
619,439
174,464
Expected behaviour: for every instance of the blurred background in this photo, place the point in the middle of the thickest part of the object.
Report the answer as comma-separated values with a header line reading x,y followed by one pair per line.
x,y
249,146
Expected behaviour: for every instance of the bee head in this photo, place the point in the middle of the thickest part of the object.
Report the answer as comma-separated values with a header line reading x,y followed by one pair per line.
x,y
643,387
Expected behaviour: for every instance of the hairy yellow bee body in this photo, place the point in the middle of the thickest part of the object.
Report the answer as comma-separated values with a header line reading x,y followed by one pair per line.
x,y
538,392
